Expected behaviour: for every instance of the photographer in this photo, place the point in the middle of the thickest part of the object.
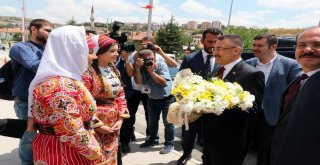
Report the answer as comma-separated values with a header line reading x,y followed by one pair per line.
x,y
156,82
149,43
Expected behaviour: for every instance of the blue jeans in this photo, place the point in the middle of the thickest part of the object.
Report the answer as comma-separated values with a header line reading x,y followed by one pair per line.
x,y
25,147
21,108
155,107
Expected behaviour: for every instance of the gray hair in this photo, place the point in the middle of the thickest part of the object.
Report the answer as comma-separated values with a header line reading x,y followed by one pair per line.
x,y
145,52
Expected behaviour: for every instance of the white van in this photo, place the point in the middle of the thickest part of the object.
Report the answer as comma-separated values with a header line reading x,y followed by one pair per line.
x,y
172,56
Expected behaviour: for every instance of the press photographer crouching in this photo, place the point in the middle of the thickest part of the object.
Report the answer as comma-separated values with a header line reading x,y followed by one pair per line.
x,y
156,83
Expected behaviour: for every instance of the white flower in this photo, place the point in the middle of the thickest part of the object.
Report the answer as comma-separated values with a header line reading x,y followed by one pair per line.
x,y
188,107
196,95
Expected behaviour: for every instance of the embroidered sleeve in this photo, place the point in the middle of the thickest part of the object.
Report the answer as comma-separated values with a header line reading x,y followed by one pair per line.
x,y
122,104
87,79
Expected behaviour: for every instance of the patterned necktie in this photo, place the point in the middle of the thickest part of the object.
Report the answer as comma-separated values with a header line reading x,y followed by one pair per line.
x,y
208,65
293,90
220,72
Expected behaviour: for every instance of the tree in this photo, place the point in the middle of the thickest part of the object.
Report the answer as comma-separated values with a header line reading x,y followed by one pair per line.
x,y
170,37
72,21
17,37
247,34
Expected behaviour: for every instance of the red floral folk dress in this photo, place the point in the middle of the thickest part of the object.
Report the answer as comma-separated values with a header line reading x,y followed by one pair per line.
x,y
63,106
111,103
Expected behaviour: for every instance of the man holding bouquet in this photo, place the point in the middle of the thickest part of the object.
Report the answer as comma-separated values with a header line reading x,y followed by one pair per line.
x,y
225,136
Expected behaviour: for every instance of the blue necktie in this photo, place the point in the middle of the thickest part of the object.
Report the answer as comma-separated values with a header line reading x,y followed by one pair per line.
x,y
208,65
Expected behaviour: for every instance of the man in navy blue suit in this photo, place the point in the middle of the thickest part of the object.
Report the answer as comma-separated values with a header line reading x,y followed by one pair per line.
x,y
296,138
279,72
196,62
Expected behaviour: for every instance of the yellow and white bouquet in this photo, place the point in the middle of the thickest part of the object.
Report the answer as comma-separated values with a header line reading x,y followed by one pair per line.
x,y
195,95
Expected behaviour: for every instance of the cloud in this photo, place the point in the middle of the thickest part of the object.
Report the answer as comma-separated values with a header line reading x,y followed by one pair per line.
x,y
250,18
81,10
290,4
302,20
192,6
8,10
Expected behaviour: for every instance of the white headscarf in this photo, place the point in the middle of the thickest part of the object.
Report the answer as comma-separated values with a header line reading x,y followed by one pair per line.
x,y
65,54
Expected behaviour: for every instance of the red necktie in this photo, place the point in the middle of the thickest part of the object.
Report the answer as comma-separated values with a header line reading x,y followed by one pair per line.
x,y
220,72
293,90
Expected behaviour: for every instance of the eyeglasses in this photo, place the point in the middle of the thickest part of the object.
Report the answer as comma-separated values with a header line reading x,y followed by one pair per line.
x,y
222,49
311,45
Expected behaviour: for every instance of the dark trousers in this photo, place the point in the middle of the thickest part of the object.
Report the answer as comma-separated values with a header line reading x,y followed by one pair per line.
x,y
189,136
225,138
13,127
261,138
133,104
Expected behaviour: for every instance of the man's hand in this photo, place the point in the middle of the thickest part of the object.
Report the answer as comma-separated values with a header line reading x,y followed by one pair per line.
x,y
151,68
125,55
30,124
157,49
139,62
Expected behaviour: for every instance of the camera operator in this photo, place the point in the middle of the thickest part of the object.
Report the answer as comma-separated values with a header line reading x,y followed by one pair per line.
x,y
157,84
149,43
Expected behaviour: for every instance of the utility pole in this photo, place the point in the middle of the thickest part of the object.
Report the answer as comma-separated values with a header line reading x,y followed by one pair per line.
x,y
230,13
149,18
23,19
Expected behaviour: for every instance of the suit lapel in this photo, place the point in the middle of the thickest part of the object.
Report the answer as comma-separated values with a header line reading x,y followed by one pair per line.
x,y
284,111
199,63
234,72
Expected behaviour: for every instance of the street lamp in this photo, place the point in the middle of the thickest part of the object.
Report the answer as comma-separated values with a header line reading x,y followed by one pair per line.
x,y
230,13
149,18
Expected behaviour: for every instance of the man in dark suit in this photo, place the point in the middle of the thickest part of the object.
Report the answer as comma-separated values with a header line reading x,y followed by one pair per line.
x,y
296,139
196,62
279,72
225,136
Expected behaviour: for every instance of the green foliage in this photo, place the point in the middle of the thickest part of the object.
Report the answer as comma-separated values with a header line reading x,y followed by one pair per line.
x,y
17,37
170,37
247,34
72,21
198,31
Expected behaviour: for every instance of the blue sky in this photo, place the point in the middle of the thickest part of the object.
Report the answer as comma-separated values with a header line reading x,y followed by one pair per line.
x,y
250,13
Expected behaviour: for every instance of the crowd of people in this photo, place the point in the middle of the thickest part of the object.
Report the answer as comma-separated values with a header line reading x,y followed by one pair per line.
x,y
76,97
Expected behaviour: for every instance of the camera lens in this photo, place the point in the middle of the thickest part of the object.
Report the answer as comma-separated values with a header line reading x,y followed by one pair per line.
x,y
147,62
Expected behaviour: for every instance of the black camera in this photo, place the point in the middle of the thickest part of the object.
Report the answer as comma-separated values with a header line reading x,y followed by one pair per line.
x,y
150,46
122,38
148,62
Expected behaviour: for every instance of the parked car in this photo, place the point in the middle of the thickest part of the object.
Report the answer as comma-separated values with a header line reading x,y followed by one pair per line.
x,y
173,71
2,47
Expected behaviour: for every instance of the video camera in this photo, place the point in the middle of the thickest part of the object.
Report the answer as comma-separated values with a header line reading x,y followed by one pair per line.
x,y
122,38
